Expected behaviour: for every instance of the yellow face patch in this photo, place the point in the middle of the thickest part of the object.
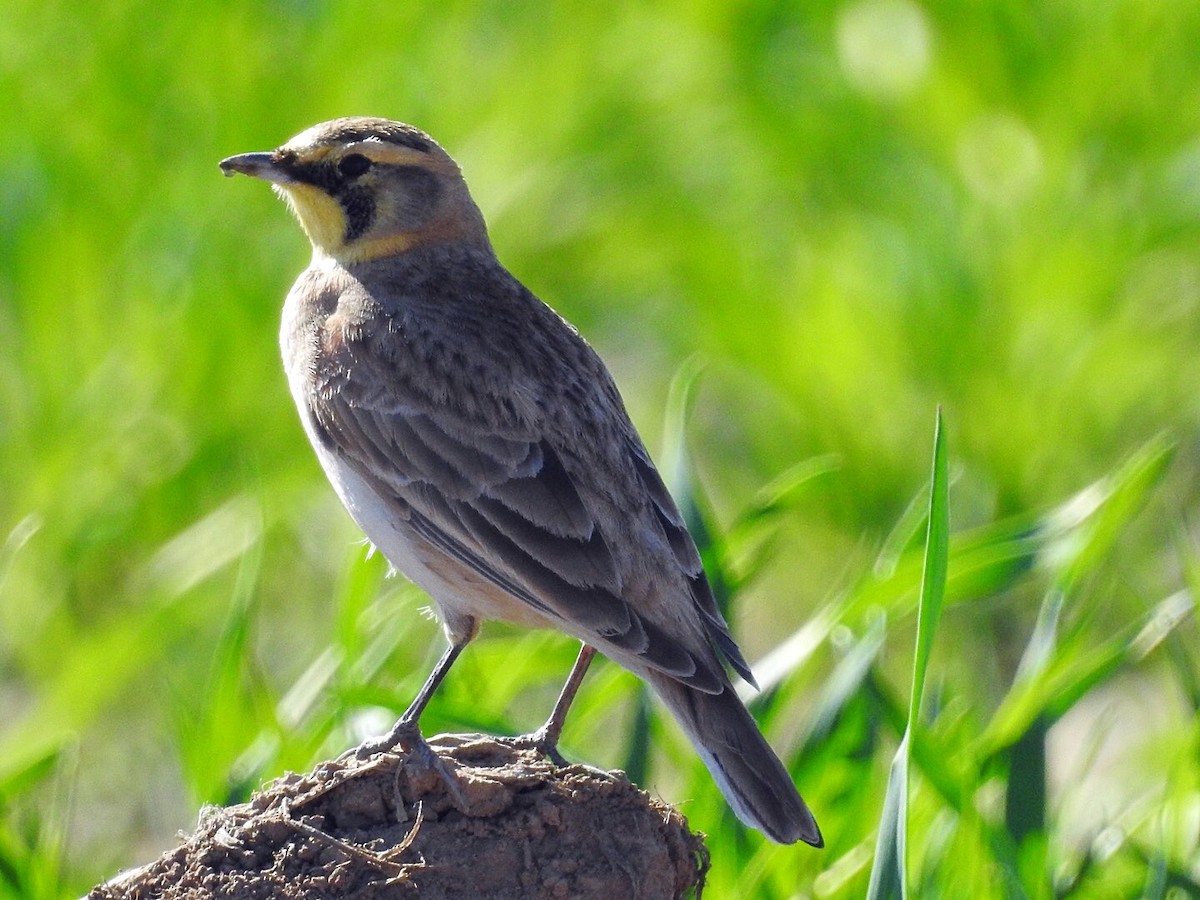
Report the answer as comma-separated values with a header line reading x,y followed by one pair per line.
x,y
319,215
324,221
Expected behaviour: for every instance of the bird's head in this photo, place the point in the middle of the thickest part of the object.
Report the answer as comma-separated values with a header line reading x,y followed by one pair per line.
x,y
367,188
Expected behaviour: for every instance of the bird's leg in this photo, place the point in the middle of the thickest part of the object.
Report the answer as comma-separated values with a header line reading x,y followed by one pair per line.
x,y
545,739
407,729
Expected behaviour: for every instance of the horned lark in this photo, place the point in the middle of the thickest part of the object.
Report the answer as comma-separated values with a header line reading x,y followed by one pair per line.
x,y
483,447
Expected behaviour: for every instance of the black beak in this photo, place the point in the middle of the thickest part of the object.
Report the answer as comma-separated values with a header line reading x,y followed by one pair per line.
x,y
257,165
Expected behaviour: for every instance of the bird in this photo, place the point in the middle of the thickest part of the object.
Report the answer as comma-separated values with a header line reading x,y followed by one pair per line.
x,y
482,446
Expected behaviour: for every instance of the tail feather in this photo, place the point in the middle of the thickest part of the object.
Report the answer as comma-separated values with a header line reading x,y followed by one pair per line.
x,y
755,783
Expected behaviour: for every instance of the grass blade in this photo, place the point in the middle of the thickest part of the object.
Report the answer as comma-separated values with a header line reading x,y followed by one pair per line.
x,y
933,582
889,871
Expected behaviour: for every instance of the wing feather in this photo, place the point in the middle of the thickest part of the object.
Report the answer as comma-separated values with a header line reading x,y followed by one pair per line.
x,y
546,496
688,557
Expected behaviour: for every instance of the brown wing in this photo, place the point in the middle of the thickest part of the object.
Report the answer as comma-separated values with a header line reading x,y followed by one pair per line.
x,y
487,481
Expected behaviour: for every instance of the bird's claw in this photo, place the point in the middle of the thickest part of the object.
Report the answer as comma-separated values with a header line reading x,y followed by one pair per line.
x,y
406,735
542,742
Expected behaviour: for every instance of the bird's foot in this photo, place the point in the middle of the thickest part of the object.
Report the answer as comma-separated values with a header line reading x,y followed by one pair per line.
x,y
543,742
406,735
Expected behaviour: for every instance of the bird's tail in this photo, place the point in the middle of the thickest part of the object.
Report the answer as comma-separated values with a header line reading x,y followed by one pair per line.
x,y
749,774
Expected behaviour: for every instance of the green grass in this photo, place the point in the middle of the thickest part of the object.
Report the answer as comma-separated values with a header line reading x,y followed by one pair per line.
x,y
889,874
820,222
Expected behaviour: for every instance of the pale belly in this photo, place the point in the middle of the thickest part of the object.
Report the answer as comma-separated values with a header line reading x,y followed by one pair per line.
x,y
461,595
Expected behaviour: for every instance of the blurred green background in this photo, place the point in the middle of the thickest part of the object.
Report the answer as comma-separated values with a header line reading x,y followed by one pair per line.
x,y
792,229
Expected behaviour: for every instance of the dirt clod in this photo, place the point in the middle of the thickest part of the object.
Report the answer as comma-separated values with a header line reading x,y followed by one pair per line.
x,y
388,827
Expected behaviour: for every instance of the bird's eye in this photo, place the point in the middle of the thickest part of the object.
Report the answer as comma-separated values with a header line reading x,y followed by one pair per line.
x,y
353,165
